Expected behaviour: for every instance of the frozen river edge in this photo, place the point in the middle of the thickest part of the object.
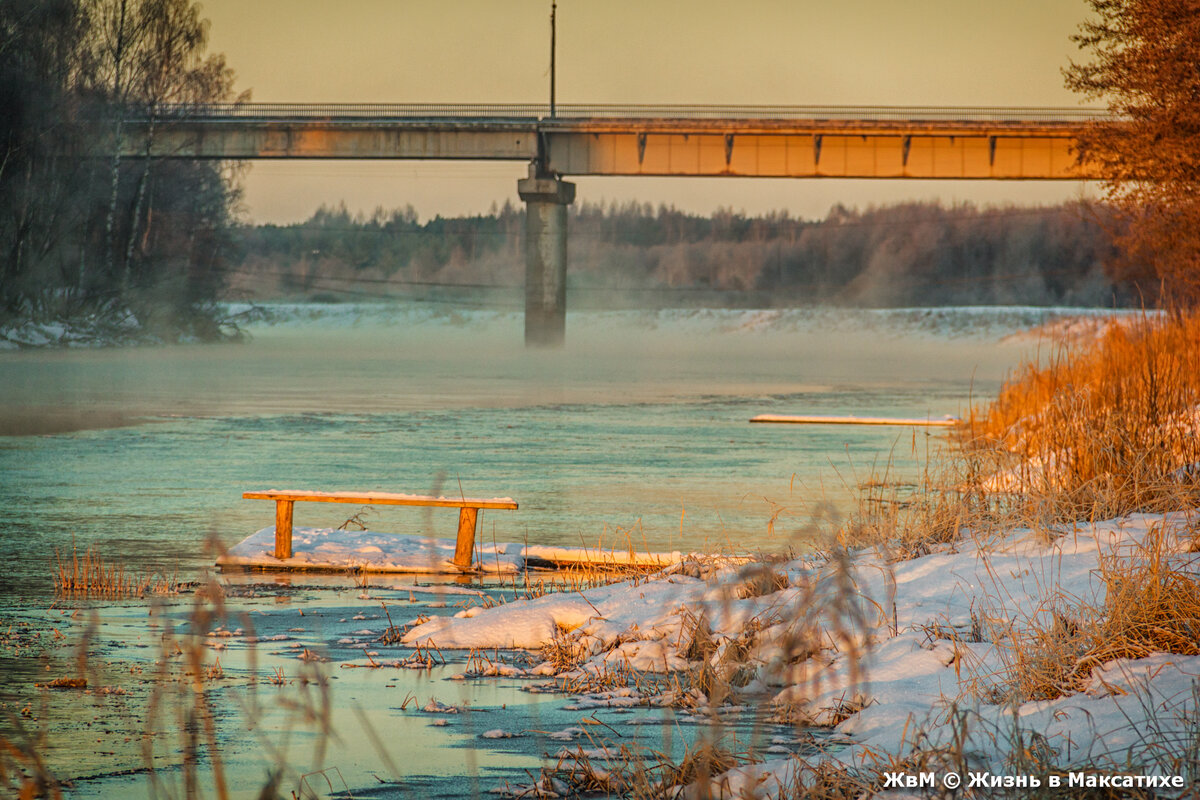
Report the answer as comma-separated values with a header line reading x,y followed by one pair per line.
x,y
913,663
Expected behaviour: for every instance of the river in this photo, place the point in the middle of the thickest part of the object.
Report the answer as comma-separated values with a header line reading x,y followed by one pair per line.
x,y
635,433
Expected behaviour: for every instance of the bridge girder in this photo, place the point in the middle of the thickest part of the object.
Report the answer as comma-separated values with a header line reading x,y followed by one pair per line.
x,y
648,147
228,141
880,155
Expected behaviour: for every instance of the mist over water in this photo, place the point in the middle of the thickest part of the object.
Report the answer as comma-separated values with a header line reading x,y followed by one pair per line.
x,y
636,432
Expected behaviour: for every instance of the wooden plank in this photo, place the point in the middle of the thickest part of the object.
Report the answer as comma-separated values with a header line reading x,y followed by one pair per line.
x,y
381,498
283,528
816,419
464,548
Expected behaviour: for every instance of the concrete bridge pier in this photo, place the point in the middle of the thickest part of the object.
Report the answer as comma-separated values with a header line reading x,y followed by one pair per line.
x,y
546,199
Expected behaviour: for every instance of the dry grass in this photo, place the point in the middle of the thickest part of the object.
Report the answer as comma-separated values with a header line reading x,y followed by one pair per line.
x,y
563,651
699,765
89,576
821,780
948,500
576,579
1104,429
179,719
624,771
182,724
1095,430
24,772
1151,605
721,667
613,769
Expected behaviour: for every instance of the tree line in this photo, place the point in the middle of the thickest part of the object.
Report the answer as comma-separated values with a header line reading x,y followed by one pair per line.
x,y
84,232
910,254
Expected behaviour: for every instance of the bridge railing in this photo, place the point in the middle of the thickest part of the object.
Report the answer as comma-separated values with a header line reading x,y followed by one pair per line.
x,y
533,112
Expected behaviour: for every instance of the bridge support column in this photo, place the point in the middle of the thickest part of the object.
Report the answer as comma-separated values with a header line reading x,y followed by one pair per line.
x,y
546,200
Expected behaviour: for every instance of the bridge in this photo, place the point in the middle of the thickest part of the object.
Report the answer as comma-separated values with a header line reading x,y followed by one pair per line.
x,y
889,142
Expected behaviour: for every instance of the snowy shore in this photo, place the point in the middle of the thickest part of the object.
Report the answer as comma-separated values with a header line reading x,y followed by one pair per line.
x,y
233,319
907,663
989,322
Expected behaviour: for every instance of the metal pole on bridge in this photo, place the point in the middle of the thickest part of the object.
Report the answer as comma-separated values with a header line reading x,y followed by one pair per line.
x,y
553,31
546,199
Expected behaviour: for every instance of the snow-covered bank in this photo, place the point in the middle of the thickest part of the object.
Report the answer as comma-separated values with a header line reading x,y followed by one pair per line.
x,y
909,663
230,319
79,333
945,321
123,329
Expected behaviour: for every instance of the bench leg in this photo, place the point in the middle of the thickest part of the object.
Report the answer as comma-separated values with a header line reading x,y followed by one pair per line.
x,y
464,548
283,528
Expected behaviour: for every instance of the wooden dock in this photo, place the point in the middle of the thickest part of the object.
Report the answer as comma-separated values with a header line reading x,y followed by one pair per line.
x,y
819,419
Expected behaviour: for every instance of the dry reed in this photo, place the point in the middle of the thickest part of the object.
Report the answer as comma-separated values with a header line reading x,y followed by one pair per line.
x,y
948,500
1093,431
623,770
1151,605
88,575
1104,429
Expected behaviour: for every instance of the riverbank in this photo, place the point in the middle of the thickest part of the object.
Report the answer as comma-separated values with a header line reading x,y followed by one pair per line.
x,y
937,664
121,327
836,671
231,321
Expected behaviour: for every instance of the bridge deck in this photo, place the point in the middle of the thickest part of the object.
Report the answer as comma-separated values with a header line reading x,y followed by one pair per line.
x,y
747,141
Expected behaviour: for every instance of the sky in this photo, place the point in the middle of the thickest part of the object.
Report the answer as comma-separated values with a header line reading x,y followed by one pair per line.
x,y
797,52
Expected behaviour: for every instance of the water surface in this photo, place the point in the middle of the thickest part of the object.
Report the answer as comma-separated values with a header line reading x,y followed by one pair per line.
x,y
636,433
637,429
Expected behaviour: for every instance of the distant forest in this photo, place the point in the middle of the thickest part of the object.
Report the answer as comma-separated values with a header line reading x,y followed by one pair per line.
x,y
911,254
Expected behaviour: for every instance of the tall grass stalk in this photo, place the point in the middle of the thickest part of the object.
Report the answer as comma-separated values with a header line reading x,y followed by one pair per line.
x,y
90,575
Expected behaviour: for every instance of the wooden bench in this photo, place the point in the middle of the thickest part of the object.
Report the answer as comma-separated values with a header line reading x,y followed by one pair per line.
x,y
468,513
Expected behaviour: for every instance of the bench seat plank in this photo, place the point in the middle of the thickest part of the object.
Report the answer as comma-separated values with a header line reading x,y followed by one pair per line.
x,y
381,498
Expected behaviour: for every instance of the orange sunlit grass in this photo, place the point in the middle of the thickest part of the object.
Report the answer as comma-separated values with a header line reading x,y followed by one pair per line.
x,y
1106,429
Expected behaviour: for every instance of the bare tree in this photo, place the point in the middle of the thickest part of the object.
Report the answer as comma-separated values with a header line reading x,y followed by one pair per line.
x,y
1145,64
153,58
83,227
